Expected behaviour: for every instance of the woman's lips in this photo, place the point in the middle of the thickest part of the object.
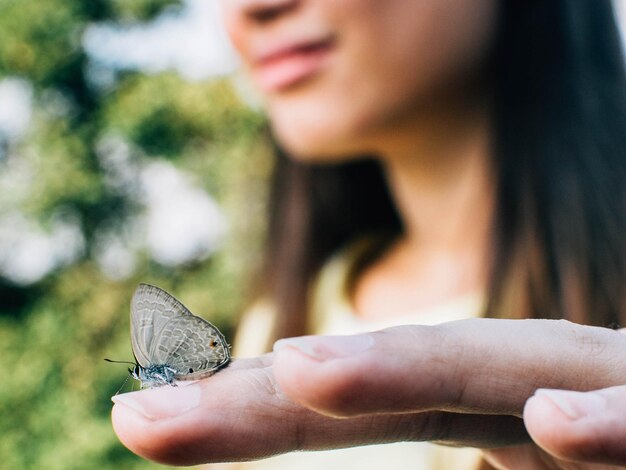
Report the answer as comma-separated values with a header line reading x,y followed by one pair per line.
x,y
284,67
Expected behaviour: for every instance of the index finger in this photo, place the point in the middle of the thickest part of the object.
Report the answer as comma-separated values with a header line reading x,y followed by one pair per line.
x,y
240,414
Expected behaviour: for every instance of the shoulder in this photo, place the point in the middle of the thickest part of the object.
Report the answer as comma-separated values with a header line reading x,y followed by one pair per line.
x,y
331,292
329,295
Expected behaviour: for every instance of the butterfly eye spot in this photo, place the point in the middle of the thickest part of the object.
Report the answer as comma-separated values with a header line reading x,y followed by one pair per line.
x,y
213,344
190,370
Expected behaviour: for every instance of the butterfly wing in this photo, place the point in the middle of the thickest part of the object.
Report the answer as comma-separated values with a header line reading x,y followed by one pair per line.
x,y
151,310
164,331
192,346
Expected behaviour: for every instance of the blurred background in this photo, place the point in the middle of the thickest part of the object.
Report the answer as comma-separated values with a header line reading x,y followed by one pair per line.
x,y
130,151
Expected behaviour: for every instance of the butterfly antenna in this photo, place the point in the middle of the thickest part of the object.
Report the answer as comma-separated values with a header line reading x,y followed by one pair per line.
x,y
120,362
127,377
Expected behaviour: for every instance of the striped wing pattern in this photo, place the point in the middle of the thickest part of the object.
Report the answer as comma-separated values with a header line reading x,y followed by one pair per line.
x,y
165,332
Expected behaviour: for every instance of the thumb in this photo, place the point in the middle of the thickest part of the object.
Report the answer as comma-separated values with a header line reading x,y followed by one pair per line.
x,y
587,427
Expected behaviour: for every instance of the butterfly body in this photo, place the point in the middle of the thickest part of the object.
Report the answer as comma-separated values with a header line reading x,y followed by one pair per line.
x,y
170,343
154,375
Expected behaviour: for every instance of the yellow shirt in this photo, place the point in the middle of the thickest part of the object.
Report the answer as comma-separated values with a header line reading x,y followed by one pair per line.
x,y
332,314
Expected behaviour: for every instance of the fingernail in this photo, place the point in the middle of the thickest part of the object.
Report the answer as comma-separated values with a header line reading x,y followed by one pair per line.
x,y
161,403
575,405
323,348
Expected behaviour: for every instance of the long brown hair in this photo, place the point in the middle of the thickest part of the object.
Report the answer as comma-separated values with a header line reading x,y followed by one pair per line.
x,y
560,153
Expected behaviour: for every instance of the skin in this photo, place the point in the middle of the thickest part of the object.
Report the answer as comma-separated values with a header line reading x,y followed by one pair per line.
x,y
403,80
369,87
430,129
451,383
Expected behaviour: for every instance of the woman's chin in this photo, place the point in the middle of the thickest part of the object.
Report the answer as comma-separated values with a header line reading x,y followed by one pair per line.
x,y
317,154
317,147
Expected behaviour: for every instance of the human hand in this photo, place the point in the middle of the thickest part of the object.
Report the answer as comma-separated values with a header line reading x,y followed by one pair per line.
x,y
462,383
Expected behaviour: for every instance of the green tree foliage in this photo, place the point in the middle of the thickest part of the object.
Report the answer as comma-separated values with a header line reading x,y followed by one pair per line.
x,y
54,333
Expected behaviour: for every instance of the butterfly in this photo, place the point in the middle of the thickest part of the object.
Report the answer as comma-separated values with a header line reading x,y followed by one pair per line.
x,y
169,342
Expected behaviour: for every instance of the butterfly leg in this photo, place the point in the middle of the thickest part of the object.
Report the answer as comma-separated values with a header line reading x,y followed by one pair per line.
x,y
169,376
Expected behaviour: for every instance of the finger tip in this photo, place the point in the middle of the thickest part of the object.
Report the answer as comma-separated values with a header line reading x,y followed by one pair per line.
x,y
554,430
541,417
230,410
128,426
332,388
295,373
153,441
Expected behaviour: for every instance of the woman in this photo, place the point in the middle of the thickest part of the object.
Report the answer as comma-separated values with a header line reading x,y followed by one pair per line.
x,y
513,130
480,118
494,186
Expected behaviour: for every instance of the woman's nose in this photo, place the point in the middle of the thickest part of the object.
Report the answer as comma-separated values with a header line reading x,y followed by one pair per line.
x,y
265,10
